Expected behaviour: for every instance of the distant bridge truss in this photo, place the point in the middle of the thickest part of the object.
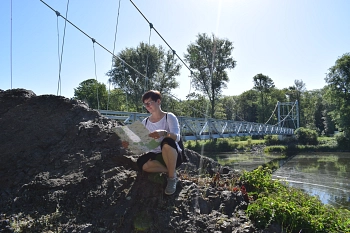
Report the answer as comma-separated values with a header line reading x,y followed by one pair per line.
x,y
206,128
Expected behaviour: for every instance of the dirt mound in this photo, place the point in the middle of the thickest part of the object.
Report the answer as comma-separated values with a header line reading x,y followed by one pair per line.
x,y
63,170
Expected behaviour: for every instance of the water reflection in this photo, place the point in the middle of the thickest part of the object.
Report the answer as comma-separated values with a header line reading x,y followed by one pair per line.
x,y
324,175
248,162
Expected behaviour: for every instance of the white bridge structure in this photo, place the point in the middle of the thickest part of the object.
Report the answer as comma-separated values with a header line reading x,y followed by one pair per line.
x,y
206,128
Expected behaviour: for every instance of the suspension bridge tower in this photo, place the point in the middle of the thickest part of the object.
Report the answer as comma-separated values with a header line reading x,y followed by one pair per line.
x,y
288,114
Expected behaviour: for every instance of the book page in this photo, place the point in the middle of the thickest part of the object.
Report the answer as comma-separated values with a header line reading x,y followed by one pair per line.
x,y
137,136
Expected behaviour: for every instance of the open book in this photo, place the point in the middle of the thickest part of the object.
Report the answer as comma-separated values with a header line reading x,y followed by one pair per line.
x,y
137,136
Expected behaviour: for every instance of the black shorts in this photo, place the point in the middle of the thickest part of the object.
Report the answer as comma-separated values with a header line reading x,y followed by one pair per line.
x,y
154,156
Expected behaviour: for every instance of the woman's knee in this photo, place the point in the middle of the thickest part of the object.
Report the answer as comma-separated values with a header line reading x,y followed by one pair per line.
x,y
146,165
167,148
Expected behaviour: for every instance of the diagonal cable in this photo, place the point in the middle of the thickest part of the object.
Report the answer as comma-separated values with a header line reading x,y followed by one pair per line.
x,y
115,39
98,101
59,84
96,42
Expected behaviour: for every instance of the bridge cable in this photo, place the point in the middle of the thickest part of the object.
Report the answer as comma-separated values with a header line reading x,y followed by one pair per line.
x,y
11,44
272,114
96,42
174,52
241,118
115,56
98,101
115,39
286,115
160,35
60,56
189,92
145,87
126,93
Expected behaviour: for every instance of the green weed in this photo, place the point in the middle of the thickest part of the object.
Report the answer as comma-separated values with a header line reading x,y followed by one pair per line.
x,y
293,209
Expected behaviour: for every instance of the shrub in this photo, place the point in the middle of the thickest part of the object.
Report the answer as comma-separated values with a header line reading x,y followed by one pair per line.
x,y
291,208
343,141
271,140
276,149
306,136
224,145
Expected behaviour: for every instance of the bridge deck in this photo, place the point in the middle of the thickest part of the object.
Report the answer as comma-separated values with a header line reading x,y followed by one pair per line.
x,y
206,128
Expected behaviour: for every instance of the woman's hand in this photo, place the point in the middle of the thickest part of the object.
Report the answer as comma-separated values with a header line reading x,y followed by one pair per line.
x,y
158,134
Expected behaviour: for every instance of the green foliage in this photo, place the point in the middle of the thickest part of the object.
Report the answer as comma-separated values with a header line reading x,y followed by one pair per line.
x,y
271,140
338,79
93,93
291,208
118,101
160,68
312,109
306,136
343,141
228,103
196,105
223,144
263,84
247,106
51,222
275,149
209,58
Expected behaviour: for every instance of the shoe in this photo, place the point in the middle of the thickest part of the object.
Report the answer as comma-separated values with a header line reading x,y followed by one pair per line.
x,y
171,186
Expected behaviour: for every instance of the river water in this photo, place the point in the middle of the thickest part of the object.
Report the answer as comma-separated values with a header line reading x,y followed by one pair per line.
x,y
326,175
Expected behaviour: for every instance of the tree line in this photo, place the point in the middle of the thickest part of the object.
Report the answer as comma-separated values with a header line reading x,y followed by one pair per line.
x,y
146,67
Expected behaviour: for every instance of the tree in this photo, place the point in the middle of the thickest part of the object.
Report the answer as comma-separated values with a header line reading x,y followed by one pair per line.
x,y
93,93
263,84
228,103
210,58
329,124
144,68
246,106
338,79
312,110
118,101
196,105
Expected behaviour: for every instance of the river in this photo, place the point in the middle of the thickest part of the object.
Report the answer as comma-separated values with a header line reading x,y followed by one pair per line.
x,y
326,175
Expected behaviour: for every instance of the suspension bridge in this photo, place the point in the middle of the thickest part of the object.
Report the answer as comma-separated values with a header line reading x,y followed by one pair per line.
x,y
208,128
193,128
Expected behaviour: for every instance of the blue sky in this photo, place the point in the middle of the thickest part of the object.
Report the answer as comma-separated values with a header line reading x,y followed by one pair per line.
x,y
284,39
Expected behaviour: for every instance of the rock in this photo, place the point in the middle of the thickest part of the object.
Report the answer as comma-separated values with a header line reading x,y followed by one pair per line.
x,y
63,169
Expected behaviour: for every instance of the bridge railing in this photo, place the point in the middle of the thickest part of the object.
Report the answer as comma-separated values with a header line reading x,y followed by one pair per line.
x,y
206,128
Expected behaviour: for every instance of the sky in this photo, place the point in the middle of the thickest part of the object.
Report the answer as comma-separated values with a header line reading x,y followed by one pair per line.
x,y
286,40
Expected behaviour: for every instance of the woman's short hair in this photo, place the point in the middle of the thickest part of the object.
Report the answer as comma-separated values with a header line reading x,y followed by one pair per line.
x,y
154,95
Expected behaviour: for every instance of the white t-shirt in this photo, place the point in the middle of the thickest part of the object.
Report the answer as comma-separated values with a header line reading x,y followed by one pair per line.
x,y
169,123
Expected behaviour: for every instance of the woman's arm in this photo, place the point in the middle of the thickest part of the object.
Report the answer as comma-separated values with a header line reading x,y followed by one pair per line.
x,y
174,128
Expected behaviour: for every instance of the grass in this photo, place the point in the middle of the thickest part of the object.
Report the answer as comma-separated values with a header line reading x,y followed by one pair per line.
x,y
223,144
271,143
27,223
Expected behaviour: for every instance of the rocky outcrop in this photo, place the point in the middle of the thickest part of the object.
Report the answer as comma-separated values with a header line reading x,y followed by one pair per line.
x,y
63,169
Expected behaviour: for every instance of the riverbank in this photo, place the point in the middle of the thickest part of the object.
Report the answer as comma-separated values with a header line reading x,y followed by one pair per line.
x,y
270,144
274,202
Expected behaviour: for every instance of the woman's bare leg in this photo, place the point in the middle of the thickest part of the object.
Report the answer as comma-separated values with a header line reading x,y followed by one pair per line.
x,y
154,166
170,157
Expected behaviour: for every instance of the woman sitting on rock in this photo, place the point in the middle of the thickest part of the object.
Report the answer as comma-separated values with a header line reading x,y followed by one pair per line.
x,y
163,127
